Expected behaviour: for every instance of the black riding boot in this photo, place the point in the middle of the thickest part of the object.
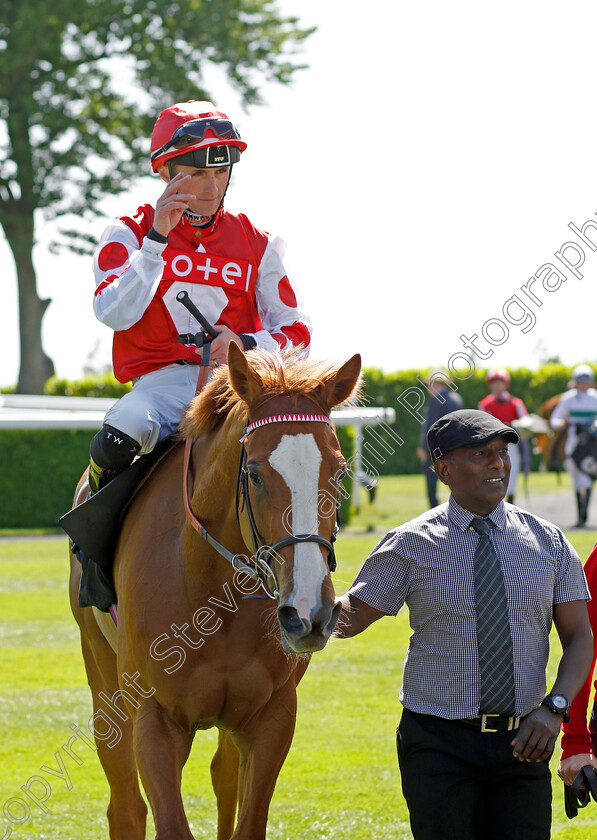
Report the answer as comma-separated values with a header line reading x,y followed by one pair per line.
x,y
579,507
111,452
115,451
585,506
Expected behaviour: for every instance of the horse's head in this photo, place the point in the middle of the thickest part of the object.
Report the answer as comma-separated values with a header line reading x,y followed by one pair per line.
x,y
292,469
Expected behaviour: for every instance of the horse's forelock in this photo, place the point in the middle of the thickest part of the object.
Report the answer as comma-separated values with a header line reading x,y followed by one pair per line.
x,y
285,372
291,372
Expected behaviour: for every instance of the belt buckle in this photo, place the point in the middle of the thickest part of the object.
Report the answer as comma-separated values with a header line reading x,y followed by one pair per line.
x,y
513,723
484,727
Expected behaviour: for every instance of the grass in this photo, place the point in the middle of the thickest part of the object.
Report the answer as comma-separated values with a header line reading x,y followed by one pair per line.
x,y
341,776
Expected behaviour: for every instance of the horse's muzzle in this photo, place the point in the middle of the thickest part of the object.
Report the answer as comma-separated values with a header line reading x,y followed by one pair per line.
x,y
300,635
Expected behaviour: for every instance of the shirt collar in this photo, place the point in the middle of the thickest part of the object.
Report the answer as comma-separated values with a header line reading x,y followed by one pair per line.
x,y
462,518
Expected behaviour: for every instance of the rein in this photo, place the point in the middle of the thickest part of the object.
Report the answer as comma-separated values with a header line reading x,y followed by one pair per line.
x,y
258,567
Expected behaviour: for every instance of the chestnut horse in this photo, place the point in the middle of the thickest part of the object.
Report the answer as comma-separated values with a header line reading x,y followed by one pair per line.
x,y
199,643
551,445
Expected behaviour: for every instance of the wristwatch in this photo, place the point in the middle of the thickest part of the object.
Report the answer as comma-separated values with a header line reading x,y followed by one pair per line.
x,y
558,704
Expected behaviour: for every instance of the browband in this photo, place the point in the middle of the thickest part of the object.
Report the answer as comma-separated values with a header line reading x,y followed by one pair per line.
x,y
284,418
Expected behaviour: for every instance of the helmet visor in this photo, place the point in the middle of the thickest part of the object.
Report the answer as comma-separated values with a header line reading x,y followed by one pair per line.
x,y
195,131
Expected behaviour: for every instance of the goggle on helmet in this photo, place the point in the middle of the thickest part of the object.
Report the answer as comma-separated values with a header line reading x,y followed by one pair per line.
x,y
197,135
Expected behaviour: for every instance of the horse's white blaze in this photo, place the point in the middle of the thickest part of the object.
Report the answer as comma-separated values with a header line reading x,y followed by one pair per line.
x,y
298,460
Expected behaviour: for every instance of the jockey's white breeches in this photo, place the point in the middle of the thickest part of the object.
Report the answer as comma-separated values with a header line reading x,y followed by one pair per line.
x,y
152,410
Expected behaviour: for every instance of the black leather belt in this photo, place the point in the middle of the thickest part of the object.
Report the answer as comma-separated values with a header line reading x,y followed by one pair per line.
x,y
493,723
185,362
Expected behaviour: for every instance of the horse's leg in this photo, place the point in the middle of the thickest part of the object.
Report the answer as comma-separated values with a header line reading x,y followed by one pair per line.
x,y
224,776
263,747
162,748
127,810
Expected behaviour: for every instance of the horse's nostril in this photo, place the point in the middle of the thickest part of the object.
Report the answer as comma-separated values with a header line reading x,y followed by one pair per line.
x,y
322,617
292,623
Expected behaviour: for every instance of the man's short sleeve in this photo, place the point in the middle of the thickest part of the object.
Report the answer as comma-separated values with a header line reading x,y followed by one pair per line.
x,y
570,584
382,581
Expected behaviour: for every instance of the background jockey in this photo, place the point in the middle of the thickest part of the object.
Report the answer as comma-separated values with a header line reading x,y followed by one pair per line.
x,y
233,272
577,410
501,404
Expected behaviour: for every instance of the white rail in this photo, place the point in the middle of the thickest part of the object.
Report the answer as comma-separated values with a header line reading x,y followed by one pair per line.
x,y
23,411
42,412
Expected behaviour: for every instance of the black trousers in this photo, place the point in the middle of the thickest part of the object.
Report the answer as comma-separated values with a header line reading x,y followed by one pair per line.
x,y
463,784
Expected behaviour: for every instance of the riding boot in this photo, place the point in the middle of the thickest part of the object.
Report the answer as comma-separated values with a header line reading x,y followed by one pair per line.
x,y
585,505
111,451
579,507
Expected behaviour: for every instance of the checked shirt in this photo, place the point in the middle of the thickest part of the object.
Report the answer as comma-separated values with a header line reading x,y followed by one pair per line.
x,y
427,563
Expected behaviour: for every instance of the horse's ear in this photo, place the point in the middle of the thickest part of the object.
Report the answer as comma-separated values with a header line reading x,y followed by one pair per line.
x,y
343,384
243,378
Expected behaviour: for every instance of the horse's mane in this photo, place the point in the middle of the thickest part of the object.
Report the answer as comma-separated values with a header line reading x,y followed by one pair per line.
x,y
283,372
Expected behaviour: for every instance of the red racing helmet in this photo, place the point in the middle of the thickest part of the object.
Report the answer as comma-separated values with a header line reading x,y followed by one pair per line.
x,y
197,130
498,373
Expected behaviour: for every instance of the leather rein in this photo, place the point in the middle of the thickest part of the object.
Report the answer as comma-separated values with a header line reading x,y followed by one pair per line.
x,y
259,565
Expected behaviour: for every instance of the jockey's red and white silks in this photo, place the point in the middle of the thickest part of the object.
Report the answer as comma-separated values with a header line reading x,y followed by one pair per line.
x,y
232,271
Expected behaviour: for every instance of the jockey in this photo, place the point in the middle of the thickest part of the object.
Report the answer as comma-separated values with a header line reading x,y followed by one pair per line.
x,y
232,271
577,411
501,404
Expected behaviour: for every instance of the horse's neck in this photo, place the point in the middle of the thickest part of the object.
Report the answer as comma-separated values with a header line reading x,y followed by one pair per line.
x,y
215,460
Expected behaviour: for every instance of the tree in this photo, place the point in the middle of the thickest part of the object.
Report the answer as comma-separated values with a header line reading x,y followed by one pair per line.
x,y
71,132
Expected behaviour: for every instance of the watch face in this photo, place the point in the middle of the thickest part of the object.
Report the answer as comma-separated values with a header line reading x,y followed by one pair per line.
x,y
559,701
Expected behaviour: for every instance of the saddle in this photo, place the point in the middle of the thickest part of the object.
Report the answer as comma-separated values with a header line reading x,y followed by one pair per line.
x,y
94,525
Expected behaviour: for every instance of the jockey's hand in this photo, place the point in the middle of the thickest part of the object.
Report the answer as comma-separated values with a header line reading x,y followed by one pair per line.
x,y
570,767
171,204
218,354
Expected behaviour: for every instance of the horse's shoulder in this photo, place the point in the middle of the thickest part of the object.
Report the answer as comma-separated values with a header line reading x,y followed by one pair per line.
x,y
548,406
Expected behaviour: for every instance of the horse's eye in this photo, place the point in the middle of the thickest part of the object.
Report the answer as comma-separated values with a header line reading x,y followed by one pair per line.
x,y
255,479
341,474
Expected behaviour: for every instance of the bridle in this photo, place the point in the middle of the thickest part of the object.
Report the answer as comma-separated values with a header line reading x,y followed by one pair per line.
x,y
259,566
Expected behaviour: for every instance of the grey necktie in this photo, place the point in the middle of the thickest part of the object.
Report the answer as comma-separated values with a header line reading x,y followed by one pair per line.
x,y
493,627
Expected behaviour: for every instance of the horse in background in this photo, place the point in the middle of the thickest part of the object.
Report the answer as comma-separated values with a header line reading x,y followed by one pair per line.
x,y
199,643
551,443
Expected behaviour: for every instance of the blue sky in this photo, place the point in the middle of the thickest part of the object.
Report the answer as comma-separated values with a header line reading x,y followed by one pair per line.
x,y
422,171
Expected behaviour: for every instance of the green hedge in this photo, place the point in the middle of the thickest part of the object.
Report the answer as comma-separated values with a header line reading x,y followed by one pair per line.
x,y
346,439
40,469
398,390
92,385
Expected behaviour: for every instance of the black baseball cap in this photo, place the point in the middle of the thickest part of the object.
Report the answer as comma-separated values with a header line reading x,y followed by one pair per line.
x,y
466,427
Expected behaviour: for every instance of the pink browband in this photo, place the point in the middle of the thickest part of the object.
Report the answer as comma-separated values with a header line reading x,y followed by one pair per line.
x,y
284,418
